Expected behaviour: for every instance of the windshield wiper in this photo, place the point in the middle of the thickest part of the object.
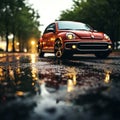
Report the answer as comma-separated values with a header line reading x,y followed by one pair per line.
x,y
83,29
65,29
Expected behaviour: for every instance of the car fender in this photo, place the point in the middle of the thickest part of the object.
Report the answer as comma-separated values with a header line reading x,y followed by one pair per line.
x,y
61,35
41,42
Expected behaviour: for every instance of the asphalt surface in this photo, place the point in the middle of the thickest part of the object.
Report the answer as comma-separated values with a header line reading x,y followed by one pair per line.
x,y
81,88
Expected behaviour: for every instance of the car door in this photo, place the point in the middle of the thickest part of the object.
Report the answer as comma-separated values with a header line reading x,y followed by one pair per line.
x,y
49,37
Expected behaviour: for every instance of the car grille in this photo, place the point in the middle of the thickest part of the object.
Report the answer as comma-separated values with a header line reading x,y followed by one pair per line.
x,y
92,46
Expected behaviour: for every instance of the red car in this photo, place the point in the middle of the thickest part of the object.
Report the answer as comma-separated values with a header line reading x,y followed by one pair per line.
x,y
65,38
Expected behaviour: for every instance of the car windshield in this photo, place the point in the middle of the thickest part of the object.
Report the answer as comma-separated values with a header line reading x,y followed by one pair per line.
x,y
67,25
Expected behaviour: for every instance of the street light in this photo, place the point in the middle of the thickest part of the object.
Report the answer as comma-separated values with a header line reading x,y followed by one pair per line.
x,y
10,37
33,48
32,42
17,46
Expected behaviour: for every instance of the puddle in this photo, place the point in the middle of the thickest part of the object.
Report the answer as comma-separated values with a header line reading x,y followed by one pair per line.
x,y
51,88
24,77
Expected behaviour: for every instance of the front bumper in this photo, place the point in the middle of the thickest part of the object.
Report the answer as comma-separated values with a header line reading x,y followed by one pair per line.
x,y
88,47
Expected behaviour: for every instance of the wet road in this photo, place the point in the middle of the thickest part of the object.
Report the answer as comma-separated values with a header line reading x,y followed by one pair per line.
x,y
82,88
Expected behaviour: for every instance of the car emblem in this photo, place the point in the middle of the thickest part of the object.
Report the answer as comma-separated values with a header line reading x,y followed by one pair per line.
x,y
92,36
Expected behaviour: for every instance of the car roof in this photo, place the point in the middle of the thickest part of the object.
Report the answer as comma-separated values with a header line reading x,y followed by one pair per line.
x,y
67,21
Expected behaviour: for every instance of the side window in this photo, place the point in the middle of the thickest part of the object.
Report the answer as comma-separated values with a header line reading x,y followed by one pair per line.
x,y
50,28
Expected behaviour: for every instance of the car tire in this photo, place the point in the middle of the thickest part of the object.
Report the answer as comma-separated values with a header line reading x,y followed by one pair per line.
x,y
41,54
102,54
58,49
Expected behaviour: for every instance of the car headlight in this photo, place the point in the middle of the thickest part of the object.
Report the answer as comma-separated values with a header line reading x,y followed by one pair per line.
x,y
106,36
70,36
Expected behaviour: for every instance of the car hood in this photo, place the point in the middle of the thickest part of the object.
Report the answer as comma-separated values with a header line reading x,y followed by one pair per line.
x,y
89,34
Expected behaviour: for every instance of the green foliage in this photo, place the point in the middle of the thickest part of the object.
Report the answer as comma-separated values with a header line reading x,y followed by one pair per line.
x,y
103,15
19,19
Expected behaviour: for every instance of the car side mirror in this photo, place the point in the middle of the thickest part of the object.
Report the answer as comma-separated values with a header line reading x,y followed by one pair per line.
x,y
50,30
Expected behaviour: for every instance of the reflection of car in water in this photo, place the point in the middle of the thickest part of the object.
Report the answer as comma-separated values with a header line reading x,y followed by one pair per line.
x,y
73,79
65,38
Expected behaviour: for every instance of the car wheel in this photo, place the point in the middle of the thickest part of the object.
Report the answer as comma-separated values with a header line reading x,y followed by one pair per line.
x,y
41,54
58,49
102,55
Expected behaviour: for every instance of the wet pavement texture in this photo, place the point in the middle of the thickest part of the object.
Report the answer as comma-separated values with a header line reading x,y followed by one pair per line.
x,y
81,88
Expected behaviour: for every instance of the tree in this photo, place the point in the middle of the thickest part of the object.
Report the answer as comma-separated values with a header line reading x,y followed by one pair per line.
x,y
19,19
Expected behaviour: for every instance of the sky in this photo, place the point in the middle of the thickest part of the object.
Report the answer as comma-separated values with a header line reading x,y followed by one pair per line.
x,y
49,10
